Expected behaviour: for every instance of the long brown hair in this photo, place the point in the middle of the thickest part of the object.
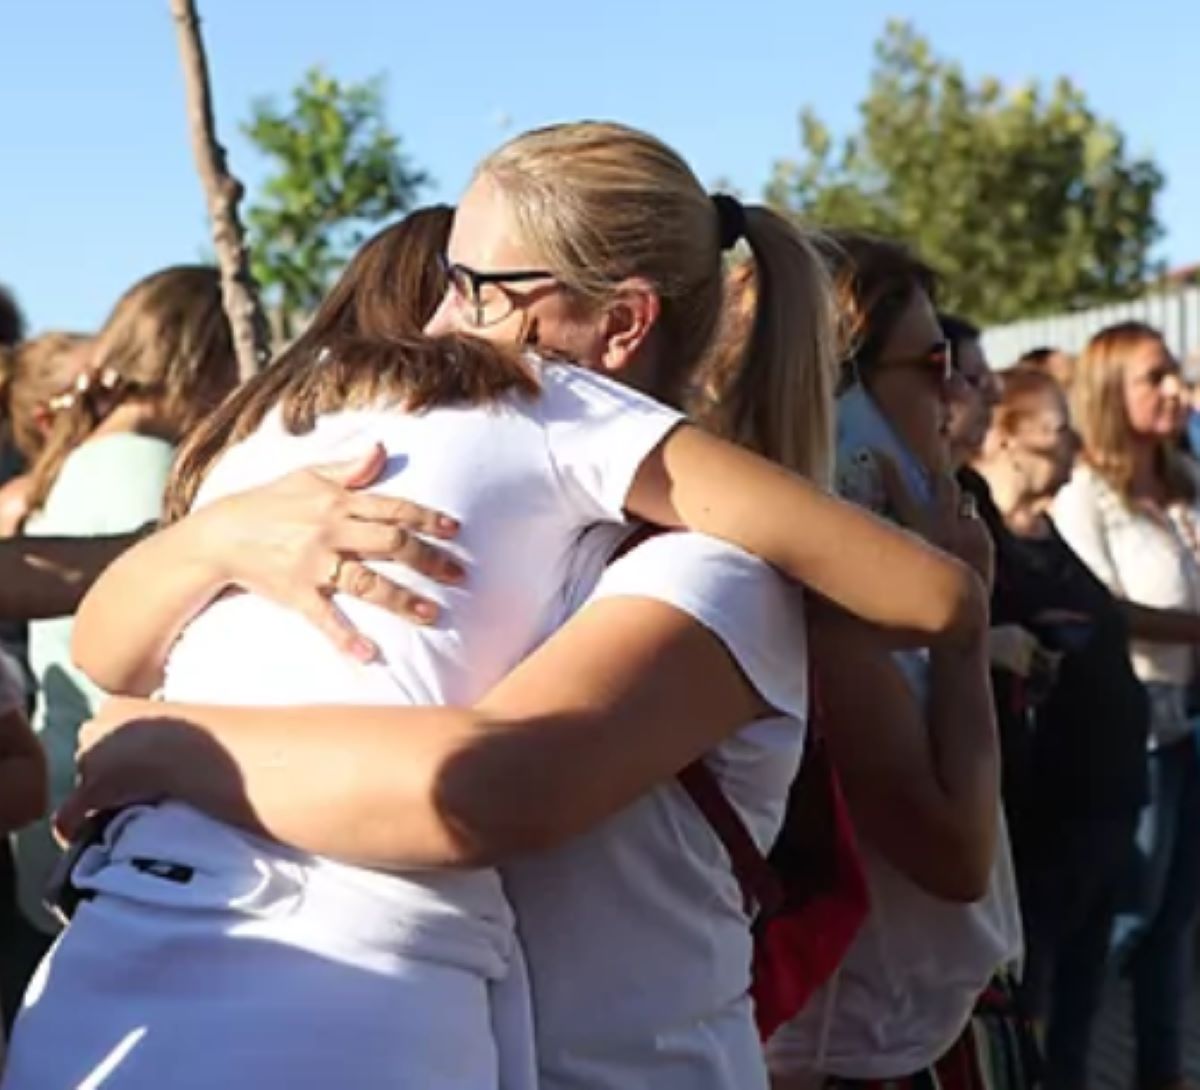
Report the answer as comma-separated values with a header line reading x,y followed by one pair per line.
x,y
1102,420
167,341
874,279
32,374
363,347
600,203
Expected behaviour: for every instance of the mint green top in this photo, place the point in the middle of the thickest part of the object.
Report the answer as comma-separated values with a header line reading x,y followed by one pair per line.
x,y
110,485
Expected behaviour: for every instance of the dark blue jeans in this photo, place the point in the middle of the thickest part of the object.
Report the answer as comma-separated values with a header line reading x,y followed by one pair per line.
x,y
1153,934
1071,869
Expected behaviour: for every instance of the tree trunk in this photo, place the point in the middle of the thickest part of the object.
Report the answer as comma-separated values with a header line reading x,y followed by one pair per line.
x,y
223,192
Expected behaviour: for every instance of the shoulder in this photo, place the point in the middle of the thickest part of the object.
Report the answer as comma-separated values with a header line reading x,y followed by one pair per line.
x,y
109,484
570,390
132,461
757,614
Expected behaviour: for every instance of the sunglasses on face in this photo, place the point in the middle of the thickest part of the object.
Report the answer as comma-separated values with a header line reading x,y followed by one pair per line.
x,y
483,297
937,361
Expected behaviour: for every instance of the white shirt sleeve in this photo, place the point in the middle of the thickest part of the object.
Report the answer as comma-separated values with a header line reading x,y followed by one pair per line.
x,y
1077,516
746,604
598,434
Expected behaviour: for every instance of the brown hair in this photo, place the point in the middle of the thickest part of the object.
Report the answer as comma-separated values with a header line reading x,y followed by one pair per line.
x,y
1102,420
363,347
874,279
601,203
1020,387
167,341
31,375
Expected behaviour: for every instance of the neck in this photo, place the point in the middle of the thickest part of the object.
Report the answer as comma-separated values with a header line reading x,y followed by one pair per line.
x,y
1144,480
1023,514
135,416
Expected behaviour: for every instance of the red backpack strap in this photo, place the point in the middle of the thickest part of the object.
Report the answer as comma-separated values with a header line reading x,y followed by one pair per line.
x,y
758,881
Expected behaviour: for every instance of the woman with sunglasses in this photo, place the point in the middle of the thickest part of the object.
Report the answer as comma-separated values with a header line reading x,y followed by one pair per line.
x,y
1130,512
579,767
897,1011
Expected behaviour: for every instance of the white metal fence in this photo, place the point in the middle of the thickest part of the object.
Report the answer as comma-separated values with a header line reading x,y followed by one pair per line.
x,y
1175,313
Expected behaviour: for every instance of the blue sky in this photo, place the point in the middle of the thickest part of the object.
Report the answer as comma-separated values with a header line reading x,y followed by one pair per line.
x,y
97,185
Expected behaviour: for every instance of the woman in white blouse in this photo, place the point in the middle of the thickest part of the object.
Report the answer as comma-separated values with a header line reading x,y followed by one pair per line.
x,y
1130,512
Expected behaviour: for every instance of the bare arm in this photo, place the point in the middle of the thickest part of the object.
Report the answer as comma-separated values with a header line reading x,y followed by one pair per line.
x,y
861,563
622,697
282,540
924,790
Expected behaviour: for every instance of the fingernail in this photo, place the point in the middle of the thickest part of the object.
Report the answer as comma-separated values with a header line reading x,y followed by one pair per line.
x,y
364,651
447,525
426,611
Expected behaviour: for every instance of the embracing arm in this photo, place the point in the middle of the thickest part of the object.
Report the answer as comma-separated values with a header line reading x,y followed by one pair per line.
x,y
281,540
923,789
623,696
867,566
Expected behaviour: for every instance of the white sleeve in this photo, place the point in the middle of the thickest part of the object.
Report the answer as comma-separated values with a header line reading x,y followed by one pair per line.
x,y
746,604
1077,517
598,434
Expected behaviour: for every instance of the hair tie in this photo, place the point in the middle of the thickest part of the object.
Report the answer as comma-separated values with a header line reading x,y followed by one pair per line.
x,y
731,220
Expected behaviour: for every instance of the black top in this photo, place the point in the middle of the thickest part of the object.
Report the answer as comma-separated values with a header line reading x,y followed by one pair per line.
x,y
1081,749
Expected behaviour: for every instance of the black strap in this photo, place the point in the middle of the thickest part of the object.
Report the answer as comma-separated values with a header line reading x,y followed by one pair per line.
x,y
759,883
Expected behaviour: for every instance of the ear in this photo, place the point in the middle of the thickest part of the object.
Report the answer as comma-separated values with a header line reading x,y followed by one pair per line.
x,y
628,321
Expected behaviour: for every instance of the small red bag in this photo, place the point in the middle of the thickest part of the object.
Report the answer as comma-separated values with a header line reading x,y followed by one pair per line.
x,y
808,895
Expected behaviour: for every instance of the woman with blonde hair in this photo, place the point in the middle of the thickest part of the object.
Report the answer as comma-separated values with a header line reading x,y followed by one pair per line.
x,y
1130,512
161,363
687,642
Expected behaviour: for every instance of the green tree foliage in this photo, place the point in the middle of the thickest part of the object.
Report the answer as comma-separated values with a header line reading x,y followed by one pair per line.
x,y
338,170
1024,200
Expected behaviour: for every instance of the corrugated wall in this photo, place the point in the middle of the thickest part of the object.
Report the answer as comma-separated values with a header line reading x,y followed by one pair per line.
x,y
1176,313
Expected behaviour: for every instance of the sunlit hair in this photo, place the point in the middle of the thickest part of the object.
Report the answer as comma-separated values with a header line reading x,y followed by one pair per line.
x,y
1022,390
1098,407
363,347
32,375
599,204
168,342
875,279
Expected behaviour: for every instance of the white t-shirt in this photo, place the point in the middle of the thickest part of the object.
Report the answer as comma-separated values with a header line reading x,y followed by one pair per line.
x,y
907,986
1138,557
526,477
635,935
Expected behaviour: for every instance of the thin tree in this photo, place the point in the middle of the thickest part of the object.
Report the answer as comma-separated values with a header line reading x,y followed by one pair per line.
x,y
223,192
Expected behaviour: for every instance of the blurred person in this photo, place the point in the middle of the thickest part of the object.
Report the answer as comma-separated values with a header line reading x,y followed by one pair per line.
x,y
899,1010
162,362
33,375
1075,769
978,392
1059,365
1129,512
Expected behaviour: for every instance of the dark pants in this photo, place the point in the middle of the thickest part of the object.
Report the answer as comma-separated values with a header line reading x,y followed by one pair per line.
x,y
1071,873
1154,930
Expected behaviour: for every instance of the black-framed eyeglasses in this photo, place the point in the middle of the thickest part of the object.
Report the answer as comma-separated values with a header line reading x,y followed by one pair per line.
x,y
483,296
